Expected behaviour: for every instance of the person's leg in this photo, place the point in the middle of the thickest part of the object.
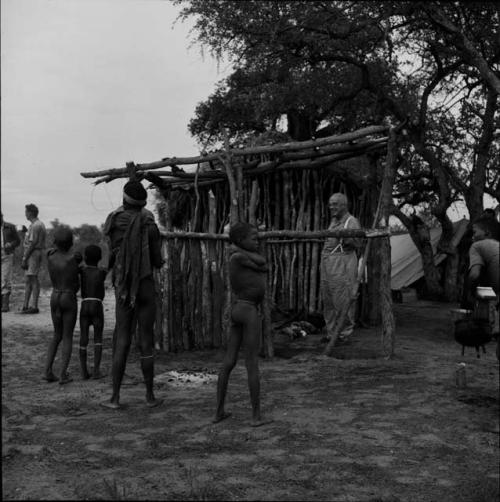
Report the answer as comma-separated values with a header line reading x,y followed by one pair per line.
x,y
35,290
344,299
28,286
34,264
327,286
123,316
7,265
146,314
228,363
69,314
55,312
98,323
252,329
84,341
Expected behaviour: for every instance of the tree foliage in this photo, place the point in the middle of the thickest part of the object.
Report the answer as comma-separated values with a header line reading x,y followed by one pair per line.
x,y
326,67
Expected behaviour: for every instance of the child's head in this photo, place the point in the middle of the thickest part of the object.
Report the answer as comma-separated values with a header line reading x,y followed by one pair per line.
x,y
485,227
63,238
93,254
244,235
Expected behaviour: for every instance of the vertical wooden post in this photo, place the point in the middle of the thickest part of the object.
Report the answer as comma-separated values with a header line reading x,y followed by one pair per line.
x,y
233,218
388,322
233,191
132,173
254,198
381,220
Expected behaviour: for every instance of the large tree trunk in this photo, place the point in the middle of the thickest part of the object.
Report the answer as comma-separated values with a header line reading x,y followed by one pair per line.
x,y
420,236
300,126
386,203
374,262
475,192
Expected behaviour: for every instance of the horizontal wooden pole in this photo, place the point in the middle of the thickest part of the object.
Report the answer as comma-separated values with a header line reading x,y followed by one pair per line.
x,y
281,147
263,167
312,143
287,234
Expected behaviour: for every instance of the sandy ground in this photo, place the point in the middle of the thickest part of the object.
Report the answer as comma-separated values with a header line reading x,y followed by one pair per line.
x,y
351,428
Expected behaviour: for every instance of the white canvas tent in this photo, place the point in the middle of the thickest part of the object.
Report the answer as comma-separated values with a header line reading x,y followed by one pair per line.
x,y
406,261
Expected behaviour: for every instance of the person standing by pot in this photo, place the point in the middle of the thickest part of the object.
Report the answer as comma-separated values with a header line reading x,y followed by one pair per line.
x,y
484,259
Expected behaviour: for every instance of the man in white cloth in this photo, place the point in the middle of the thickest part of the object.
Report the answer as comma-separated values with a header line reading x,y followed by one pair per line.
x,y
339,265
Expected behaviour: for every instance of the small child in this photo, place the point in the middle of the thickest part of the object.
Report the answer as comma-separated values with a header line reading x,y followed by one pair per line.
x,y
247,275
63,272
91,311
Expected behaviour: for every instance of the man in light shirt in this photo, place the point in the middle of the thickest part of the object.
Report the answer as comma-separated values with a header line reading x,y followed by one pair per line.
x,y
34,246
339,265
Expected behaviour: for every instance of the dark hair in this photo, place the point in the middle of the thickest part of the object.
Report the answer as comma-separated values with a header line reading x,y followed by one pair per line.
x,y
32,209
488,225
63,238
239,231
92,254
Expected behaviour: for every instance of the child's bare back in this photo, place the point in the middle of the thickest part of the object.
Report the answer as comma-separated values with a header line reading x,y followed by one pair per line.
x,y
63,272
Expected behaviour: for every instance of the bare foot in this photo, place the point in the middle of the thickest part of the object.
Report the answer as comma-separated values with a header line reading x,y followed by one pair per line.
x,y
65,379
97,375
220,418
111,404
261,421
152,403
50,377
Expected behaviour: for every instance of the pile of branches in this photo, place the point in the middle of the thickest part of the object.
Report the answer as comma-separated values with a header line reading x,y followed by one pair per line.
x,y
212,167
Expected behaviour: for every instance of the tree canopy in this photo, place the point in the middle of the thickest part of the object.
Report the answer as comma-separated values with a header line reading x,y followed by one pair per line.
x,y
327,67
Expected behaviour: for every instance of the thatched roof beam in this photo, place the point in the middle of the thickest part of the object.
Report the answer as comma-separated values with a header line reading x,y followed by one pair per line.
x,y
313,143
282,147
309,162
328,150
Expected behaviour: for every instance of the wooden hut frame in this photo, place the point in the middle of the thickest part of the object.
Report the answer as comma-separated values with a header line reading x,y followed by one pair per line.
x,y
282,187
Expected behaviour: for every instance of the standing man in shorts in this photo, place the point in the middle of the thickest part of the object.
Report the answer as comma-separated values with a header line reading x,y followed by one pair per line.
x,y
34,246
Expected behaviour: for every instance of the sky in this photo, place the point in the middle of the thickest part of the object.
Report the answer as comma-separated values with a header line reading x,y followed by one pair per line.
x,y
89,85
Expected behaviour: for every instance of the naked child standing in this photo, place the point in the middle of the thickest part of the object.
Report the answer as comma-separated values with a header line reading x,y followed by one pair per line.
x,y
247,275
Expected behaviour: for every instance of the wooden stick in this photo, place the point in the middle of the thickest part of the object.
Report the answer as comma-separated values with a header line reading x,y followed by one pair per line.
x,y
287,234
299,145
291,146
233,191
264,167
388,179
254,198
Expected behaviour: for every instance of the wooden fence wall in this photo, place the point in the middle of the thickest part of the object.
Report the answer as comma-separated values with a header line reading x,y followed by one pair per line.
x,y
194,289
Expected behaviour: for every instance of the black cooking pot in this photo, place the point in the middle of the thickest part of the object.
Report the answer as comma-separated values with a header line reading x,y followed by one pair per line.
x,y
472,332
